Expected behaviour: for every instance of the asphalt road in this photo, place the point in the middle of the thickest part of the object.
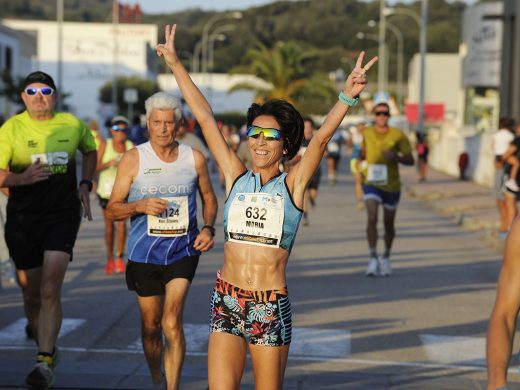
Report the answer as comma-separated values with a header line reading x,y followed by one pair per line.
x,y
422,328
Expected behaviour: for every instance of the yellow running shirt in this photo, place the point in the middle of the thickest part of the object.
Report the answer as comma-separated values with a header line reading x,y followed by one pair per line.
x,y
54,142
378,171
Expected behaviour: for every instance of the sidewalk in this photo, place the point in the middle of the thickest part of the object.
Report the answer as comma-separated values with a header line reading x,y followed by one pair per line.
x,y
467,203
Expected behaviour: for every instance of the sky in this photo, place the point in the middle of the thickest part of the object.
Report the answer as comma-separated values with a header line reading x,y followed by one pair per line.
x,y
169,6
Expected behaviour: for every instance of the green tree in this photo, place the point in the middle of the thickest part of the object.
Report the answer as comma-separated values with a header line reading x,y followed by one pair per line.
x,y
10,87
144,87
286,69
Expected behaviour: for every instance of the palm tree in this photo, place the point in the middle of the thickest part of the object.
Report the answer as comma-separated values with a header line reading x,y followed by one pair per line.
x,y
285,68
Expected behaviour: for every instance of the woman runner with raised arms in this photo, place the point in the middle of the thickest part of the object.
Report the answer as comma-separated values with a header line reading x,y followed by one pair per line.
x,y
250,304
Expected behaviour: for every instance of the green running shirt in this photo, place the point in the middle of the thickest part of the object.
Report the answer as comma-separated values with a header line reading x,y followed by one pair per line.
x,y
54,142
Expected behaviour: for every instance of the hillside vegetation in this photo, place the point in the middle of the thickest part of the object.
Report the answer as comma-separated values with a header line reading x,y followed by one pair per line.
x,y
328,26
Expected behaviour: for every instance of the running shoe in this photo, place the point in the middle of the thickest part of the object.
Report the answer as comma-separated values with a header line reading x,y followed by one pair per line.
x,y
512,185
159,386
29,335
56,357
162,385
120,266
372,269
41,376
385,269
109,267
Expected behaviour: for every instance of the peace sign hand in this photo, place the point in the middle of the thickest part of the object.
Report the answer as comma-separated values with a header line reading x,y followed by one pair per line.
x,y
167,49
357,80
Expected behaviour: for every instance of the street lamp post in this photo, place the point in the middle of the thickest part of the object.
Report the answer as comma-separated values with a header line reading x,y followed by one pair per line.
x,y
400,56
59,19
400,59
211,49
422,22
205,34
195,60
115,30
381,69
372,37
217,34
213,37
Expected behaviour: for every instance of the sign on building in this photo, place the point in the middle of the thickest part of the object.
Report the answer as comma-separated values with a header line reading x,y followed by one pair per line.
x,y
482,40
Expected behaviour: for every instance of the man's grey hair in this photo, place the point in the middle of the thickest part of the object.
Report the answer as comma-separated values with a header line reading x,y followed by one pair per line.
x,y
163,101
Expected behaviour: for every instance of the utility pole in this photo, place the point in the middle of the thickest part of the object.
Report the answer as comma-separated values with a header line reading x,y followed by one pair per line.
x,y
115,31
381,68
510,69
422,46
59,19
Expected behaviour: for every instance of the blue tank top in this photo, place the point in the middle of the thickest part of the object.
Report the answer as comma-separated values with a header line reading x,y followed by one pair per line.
x,y
169,237
250,217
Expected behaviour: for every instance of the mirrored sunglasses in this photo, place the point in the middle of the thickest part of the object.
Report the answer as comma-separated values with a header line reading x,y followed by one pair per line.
x,y
45,91
117,128
269,134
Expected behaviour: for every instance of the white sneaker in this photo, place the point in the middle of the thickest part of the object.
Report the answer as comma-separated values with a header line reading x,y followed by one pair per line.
x,y
512,185
372,269
385,269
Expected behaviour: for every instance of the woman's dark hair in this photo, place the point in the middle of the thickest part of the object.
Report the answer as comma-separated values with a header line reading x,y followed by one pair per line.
x,y
506,122
289,119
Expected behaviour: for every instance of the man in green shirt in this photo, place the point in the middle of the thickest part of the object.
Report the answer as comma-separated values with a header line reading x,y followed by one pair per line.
x,y
384,148
37,163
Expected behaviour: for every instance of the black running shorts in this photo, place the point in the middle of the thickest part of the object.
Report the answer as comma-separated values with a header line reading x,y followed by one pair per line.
x,y
28,238
149,280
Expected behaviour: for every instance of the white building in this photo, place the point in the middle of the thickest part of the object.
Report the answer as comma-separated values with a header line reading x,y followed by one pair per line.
x,y
215,88
89,52
16,51
467,84
443,73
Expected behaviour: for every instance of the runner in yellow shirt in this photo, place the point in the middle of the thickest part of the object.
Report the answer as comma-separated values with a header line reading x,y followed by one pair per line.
x,y
384,148
38,164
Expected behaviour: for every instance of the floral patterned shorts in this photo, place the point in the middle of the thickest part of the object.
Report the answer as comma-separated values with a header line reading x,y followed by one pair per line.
x,y
261,317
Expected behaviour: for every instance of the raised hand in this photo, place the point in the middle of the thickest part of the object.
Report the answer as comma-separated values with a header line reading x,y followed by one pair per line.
x,y
357,79
167,49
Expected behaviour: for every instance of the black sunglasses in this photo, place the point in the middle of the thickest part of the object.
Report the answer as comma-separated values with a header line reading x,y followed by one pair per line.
x,y
378,113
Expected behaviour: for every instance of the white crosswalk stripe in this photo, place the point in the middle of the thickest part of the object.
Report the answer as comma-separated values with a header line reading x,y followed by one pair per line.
x,y
331,343
455,349
308,343
14,334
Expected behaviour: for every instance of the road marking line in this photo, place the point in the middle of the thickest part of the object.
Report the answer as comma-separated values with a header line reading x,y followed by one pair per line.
x,y
326,343
363,362
331,343
14,334
308,344
455,349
